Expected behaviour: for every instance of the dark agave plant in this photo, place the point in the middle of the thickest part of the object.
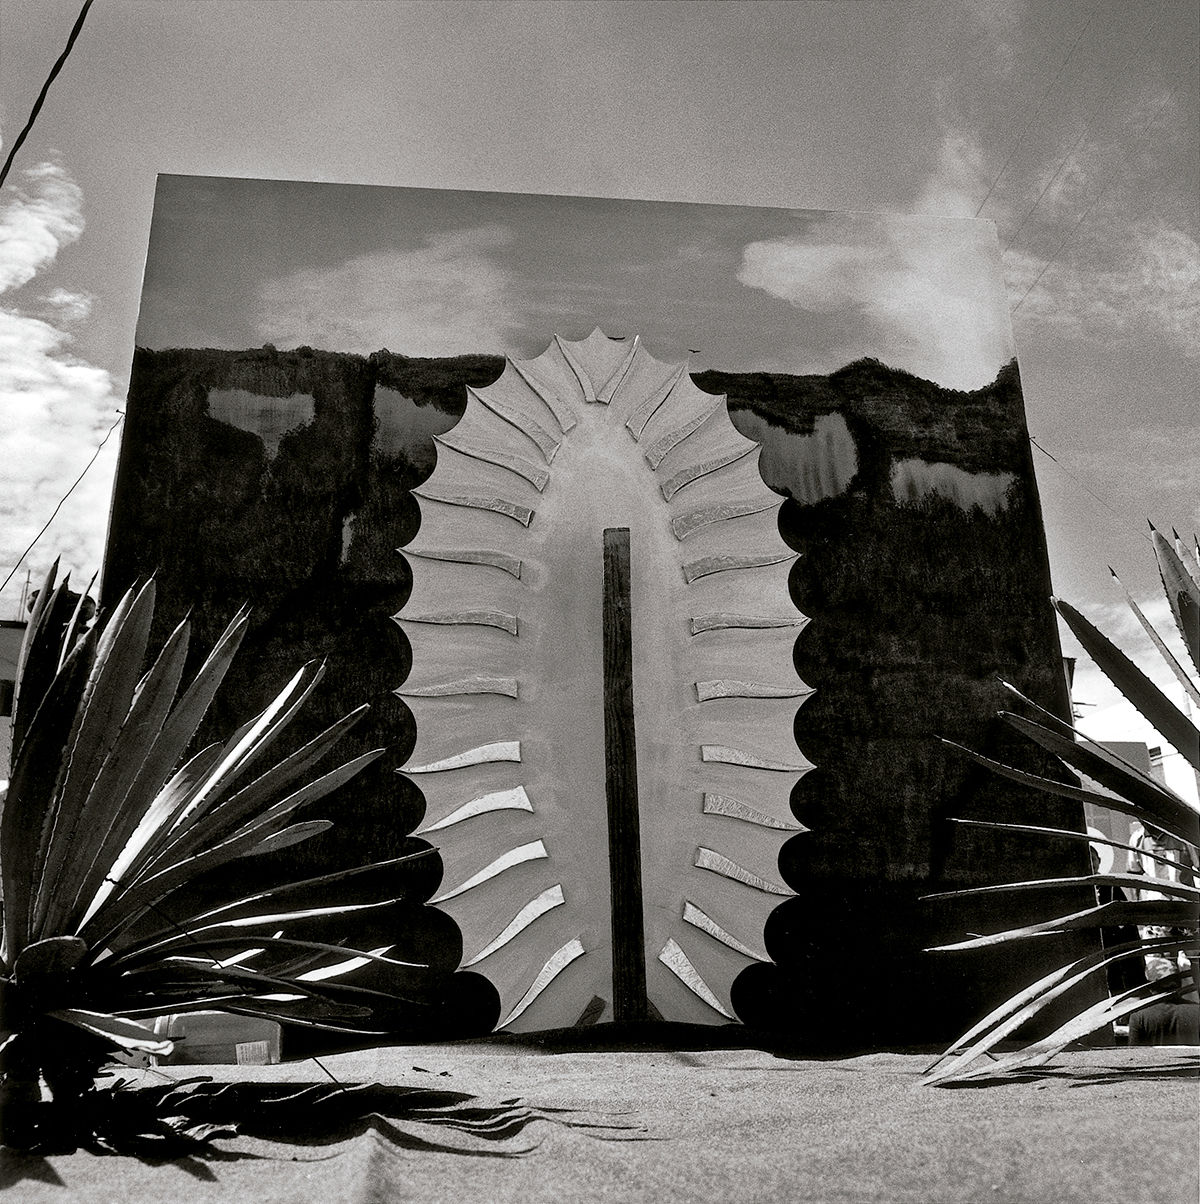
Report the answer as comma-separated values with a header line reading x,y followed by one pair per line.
x,y
111,815
1169,914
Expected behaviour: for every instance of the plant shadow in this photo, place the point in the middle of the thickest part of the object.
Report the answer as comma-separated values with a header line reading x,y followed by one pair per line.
x,y
179,1122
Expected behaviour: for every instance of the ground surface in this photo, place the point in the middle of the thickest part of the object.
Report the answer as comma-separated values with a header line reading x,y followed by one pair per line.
x,y
1103,1126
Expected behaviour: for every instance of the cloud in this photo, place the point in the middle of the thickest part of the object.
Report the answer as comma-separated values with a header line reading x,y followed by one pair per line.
x,y
56,406
40,218
920,294
448,297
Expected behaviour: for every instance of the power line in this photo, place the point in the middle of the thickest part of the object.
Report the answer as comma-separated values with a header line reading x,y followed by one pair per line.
x,y
62,500
1036,110
1087,489
1116,82
41,97
1088,210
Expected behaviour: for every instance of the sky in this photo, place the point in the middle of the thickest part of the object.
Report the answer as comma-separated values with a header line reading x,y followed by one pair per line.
x,y
1071,125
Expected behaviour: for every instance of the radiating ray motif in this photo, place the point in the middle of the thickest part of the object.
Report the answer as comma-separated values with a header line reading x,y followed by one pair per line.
x,y
509,689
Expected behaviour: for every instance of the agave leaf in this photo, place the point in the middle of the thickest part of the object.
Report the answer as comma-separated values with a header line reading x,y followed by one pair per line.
x,y
1161,713
36,775
228,815
215,943
110,821
1091,1020
40,654
1169,912
294,834
1067,834
1167,810
286,888
107,696
177,733
1049,785
147,892
1183,594
74,627
114,1030
1172,661
1176,890
1001,1023
1185,555
173,797
306,1012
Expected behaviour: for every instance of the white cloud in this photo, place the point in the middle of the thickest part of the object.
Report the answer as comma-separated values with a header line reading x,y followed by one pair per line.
x,y
56,406
920,294
40,218
448,297
1148,281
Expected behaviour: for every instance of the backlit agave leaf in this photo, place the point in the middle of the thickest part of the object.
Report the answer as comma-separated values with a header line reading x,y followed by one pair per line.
x,y
114,1030
1178,821
1094,1018
1163,715
108,818
36,775
1001,1023
506,622
150,892
120,655
1183,594
1067,834
1180,673
1176,890
1166,809
40,655
1167,912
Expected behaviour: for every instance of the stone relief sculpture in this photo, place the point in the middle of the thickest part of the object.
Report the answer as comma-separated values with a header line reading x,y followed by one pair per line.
x,y
603,688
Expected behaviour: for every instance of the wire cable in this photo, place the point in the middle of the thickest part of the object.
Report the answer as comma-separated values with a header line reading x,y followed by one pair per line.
x,y
1036,110
1089,209
62,500
1089,491
41,97
1116,82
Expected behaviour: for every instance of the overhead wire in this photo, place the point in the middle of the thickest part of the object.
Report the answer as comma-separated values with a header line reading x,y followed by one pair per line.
x,y
62,501
1036,110
41,96
1089,208
1115,83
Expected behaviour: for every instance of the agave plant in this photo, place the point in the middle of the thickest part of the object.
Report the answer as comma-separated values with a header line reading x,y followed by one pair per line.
x,y
111,817
1106,780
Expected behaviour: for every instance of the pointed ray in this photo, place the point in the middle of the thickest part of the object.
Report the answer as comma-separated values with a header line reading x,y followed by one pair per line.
x,y
699,919
498,800
719,621
501,750
685,476
707,565
674,958
474,501
707,859
735,756
546,901
691,521
546,443
581,373
526,469
662,445
563,414
726,688
465,618
534,851
732,808
461,685
638,419
608,390
498,560
546,975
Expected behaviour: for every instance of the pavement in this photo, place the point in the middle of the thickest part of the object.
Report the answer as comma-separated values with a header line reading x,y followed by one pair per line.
x,y
500,1122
